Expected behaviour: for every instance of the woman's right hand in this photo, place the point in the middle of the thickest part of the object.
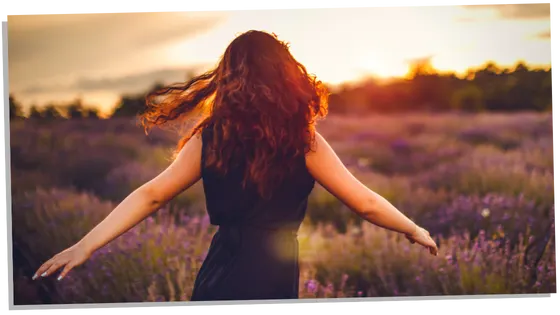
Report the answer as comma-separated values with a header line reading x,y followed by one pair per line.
x,y
67,259
422,237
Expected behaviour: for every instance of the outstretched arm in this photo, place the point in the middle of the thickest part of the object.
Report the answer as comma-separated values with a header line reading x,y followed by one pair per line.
x,y
326,167
183,172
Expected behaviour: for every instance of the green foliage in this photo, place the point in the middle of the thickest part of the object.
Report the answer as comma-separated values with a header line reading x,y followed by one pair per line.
x,y
468,98
486,88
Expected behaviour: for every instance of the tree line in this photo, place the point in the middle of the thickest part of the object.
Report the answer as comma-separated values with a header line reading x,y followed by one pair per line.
x,y
71,110
486,88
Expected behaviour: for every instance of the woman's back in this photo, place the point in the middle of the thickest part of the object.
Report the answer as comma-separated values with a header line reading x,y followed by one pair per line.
x,y
254,253
229,203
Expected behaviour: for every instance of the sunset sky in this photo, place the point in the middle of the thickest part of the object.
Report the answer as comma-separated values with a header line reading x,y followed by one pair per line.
x,y
100,56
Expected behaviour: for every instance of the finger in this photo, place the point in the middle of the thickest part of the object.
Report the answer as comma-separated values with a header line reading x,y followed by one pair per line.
x,y
433,250
65,271
54,267
410,239
42,269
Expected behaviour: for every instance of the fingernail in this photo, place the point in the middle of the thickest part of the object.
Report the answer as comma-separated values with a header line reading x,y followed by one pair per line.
x,y
34,277
44,274
59,277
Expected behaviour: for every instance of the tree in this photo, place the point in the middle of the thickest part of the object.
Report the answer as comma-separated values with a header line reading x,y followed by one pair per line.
x,y
91,113
420,67
469,98
14,108
51,112
521,67
426,84
75,110
129,106
34,112
132,105
491,67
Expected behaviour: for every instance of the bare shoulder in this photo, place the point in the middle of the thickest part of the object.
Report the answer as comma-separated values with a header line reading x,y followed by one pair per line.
x,y
193,145
321,158
319,149
319,140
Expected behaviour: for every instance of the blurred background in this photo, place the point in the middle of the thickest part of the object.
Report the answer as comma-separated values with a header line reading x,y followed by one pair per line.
x,y
445,111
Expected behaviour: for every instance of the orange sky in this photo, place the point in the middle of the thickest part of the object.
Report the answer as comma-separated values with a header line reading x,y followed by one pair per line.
x,y
97,57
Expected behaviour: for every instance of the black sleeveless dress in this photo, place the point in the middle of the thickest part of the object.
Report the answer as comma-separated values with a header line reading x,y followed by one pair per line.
x,y
254,253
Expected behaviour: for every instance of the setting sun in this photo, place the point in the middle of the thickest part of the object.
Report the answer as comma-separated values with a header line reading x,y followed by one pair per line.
x,y
380,41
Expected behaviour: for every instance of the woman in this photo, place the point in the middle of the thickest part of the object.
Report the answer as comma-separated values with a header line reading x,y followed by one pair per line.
x,y
256,148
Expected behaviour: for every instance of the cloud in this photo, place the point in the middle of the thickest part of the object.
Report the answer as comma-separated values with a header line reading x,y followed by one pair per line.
x,y
28,33
518,11
133,83
40,45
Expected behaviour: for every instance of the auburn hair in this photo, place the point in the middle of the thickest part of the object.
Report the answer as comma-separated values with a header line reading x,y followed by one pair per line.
x,y
260,102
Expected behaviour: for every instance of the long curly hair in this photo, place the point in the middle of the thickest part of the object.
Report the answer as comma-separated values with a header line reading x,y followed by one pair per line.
x,y
260,102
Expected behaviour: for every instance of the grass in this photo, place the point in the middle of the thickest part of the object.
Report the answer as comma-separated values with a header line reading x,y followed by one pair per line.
x,y
481,183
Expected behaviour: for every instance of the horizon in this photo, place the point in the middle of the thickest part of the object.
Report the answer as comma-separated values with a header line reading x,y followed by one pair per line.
x,y
99,57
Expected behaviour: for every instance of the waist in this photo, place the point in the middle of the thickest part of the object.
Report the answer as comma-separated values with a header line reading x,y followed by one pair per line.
x,y
259,229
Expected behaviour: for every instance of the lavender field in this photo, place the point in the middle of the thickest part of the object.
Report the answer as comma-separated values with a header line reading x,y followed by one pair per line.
x,y
481,183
